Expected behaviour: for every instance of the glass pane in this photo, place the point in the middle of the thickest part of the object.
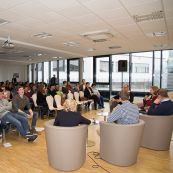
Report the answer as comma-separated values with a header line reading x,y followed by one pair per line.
x,y
46,72
88,74
119,77
167,69
30,72
74,70
141,76
54,68
157,58
62,71
40,68
102,69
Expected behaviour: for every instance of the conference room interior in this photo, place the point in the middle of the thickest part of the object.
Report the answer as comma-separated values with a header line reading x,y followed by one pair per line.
x,y
106,42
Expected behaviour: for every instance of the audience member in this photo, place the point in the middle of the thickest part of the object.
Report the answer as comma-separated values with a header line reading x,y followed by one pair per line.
x,y
21,105
20,122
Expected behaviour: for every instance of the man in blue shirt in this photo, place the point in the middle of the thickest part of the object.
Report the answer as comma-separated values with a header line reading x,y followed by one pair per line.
x,y
162,105
126,113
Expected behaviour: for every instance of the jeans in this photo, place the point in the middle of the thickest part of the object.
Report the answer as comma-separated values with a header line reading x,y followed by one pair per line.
x,y
20,122
34,118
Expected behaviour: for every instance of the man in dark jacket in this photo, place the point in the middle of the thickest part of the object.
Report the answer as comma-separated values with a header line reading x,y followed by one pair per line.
x,y
162,105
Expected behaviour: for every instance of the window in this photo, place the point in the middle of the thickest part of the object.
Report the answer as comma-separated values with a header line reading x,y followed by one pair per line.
x,y
62,71
157,61
102,69
46,72
88,64
54,68
118,78
74,70
167,69
30,72
141,76
140,68
104,66
40,74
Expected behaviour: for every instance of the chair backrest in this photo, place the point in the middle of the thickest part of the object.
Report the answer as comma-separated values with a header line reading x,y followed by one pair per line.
x,y
57,100
49,100
63,143
81,94
70,95
157,132
119,143
76,96
34,98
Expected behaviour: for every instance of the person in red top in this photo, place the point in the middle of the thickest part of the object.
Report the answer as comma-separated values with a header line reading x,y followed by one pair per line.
x,y
151,97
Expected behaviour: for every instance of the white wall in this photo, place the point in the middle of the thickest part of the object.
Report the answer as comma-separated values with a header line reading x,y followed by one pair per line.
x,y
8,68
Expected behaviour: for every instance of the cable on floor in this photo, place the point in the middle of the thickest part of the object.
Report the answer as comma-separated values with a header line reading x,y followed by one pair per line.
x,y
96,156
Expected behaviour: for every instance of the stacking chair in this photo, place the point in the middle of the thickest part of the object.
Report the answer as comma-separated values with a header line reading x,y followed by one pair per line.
x,y
58,102
37,107
70,95
51,108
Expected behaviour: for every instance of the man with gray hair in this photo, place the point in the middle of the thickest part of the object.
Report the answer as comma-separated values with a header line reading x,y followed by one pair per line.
x,y
126,113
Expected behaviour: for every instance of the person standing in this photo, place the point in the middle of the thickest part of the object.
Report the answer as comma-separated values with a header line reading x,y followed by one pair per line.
x,y
53,80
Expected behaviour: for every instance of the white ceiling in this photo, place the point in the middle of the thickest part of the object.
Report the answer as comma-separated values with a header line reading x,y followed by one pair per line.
x,y
66,20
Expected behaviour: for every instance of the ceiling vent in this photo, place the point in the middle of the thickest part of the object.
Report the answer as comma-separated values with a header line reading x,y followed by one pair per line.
x,y
2,22
71,44
98,36
152,16
8,44
114,47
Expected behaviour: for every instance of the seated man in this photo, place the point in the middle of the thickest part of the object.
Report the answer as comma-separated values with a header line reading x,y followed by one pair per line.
x,y
115,100
70,117
162,105
20,122
126,113
21,106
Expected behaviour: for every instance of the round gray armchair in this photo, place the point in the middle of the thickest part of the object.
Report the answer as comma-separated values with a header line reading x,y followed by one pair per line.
x,y
157,132
119,144
66,146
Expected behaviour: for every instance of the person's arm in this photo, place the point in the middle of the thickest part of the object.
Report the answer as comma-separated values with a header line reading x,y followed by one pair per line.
x,y
15,105
84,120
131,97
6,107
115,115
155,108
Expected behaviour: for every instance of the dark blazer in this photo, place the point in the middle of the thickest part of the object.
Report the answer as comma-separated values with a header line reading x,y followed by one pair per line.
x,y
164,108
87,92
69,119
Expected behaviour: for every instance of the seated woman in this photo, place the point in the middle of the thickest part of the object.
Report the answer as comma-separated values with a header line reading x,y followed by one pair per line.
x,y
150,98
69,117
41,100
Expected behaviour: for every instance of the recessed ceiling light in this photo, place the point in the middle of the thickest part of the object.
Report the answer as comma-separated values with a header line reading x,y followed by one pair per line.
x,y
55,57
30,59
114,47
147,17
156,34
42,35
91,49
71,44
39,54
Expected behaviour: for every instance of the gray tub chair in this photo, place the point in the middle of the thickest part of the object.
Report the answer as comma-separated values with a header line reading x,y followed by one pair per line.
x,y
119,144
157,132
66,146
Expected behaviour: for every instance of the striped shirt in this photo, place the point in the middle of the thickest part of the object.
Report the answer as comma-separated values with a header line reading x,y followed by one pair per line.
x,y
127,113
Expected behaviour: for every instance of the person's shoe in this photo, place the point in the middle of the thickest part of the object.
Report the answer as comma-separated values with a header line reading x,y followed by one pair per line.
x,y
33,131
32,138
